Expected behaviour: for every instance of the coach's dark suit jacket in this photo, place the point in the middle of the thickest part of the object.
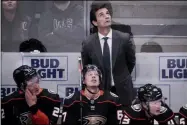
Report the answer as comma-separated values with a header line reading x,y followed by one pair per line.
x,y
123,62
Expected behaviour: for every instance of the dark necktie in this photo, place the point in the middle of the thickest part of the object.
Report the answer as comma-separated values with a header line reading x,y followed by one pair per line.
x,y
106,63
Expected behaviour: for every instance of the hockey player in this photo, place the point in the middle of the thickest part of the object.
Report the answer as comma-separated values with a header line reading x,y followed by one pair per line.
x,y
91,106
183,115
30,105
149,108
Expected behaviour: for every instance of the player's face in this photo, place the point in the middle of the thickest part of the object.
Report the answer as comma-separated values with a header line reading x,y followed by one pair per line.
x,y
92,79
155,107
103,18
9,4
33,85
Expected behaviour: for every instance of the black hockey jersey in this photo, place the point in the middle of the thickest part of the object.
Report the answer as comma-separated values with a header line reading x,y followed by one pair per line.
x,y
135,114
100,111
183,115
15,111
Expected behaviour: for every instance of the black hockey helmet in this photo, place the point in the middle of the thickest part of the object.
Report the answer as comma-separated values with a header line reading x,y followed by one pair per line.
x,y
22,74
149,93
91,68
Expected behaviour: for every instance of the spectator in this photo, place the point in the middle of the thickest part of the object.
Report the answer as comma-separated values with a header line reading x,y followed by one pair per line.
x,y
151,47
62,26
15,26
32,45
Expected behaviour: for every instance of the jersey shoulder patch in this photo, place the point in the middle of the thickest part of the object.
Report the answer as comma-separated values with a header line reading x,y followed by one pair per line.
x,y
70,96
163,109
47,93
136,107
185,106
9,94
114,95
51,91
71,99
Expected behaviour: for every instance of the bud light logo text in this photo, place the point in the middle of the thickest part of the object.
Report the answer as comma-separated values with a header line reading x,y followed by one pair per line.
x,y
173,68
49,68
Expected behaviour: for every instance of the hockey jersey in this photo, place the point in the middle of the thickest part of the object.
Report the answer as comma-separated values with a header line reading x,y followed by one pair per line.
x,y
15,111
135,114
78,109
183,115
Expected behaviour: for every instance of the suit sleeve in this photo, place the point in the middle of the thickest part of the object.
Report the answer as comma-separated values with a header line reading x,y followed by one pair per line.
x,y
85,54
130,55
39,117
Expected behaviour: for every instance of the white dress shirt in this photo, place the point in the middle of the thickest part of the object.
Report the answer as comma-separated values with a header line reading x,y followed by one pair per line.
x,y
109,41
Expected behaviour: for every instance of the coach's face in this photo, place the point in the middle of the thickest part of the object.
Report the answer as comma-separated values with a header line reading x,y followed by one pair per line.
x,y
103,18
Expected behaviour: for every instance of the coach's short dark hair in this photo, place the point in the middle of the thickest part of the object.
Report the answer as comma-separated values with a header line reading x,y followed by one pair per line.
x,y
96,5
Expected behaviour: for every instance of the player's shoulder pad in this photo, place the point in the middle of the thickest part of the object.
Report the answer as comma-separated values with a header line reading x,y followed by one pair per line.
x,y
163,109
50,94
113,95
184,107
111,98
71,98
134,111
183,110
10,96
165,114
51,91
136,107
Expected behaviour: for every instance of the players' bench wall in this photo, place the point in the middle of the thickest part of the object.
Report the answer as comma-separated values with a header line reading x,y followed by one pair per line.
x,y
59,72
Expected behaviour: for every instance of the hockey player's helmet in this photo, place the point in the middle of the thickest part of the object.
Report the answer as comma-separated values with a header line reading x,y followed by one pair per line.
x,y
149,93
91,68
22,74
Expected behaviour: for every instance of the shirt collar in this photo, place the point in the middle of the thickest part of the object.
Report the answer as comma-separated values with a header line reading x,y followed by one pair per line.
x,y
109,35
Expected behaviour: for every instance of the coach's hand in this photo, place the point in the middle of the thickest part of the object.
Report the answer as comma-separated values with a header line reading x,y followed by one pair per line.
x,y
30,98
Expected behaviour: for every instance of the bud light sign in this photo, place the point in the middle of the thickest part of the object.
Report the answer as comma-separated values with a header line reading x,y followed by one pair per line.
x,y
50,68
173,68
